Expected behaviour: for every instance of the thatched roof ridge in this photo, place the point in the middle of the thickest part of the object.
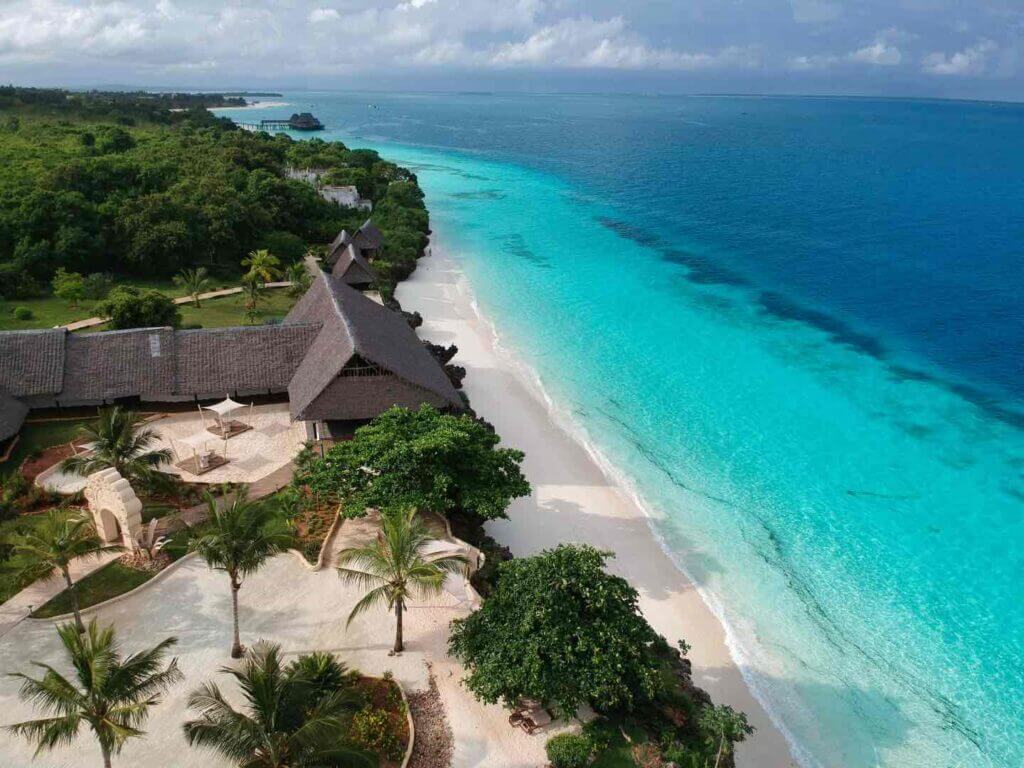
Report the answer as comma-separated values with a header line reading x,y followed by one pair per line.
x,y
32,362
337,246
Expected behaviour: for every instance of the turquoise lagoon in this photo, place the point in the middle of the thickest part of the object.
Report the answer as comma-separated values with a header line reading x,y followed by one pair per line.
x,y
840,476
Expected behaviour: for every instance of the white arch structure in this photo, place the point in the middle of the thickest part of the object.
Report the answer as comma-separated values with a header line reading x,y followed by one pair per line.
x,y
116,510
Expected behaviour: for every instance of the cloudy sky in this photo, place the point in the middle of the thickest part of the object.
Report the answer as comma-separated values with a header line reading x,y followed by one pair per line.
x,y
961,48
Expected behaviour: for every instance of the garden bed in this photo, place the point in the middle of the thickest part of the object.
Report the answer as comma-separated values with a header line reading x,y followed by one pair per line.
x,y
111,580
382,725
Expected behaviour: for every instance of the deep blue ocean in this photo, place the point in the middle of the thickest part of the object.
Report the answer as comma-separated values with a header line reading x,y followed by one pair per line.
x,y
795,325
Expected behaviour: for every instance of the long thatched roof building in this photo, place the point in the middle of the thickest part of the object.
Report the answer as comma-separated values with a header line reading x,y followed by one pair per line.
x,y
338,355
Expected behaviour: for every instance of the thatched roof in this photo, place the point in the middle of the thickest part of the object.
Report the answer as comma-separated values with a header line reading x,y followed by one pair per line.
x,y
337,247
354,325
105,366
369,237
32,362
352,268
12,415
223,360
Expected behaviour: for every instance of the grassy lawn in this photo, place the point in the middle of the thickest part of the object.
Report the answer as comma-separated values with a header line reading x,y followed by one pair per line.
x,y
49,311
230,310
40,435
110,581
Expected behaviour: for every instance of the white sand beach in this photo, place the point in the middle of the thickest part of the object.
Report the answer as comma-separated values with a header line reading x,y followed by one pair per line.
x,y
573,500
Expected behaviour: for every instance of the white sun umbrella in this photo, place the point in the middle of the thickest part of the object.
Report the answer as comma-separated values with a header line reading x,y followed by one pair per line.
x,y
224,409
198,442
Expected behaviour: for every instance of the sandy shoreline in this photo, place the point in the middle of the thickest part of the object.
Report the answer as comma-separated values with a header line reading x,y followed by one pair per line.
x,y
256,105
574,500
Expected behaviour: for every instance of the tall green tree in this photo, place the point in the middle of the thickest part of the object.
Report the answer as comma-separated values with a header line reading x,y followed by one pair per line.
x,y
421,459
294,716
118,440
395,567
129,307
193,282
240,535
263,266
110,693
722,728
560,629
69,286
298,275
49,548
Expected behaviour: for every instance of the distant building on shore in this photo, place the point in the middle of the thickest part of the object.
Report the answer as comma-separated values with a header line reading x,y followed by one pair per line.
x,y
347,196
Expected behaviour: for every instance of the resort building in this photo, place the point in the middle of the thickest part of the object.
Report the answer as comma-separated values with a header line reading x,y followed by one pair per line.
x,y
368,241
347,196
339,359
351,268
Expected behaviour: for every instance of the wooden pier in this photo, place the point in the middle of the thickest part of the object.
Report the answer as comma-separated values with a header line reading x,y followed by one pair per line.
x,y
297,122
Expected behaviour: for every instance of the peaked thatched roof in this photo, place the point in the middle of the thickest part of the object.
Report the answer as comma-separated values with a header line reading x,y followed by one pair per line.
x,y
32,362
352,268
223,360
356,325
369,237
337,246
12,415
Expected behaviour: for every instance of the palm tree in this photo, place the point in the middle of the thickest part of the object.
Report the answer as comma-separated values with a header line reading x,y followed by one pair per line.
x,y
120,441
193,282
394,567
49,548
253,290
292,718
110,694
723,727
238,538
263,266
298,275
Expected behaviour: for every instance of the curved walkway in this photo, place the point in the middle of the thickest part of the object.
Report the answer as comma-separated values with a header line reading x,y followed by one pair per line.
x,y
284,602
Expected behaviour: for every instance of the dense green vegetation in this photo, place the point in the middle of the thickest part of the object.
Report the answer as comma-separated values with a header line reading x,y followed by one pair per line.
x,y
421,459
100,185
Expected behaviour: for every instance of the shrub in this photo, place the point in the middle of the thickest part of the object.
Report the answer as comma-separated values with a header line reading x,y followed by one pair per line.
x,y
22,313
372,730
569,750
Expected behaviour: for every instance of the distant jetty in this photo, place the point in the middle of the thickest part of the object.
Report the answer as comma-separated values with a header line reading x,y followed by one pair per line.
x,y
304,121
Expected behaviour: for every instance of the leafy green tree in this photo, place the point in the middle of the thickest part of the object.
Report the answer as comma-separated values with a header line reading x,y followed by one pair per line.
x,y
395,567
294,716
298,275
130,307
560,629
722,728
193,282
49,548
263,267
69,286
421,459
118,440
239,536
111,694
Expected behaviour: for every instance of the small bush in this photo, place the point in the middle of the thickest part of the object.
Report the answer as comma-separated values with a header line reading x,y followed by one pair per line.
x,y
22,313
569,750
372,730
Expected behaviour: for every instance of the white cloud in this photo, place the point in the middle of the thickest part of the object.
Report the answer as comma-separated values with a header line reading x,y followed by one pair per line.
x,y
321,15
970,61
588,43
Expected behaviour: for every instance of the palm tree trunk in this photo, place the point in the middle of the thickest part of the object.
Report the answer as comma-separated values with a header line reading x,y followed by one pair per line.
x,y
399,647
718,757
73,595
106,755
236,646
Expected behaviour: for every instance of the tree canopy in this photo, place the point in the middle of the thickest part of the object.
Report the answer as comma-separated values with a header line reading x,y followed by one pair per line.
x,y
421,459
560,629
130,307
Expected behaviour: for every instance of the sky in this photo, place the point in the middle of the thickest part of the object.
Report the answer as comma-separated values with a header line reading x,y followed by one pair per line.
x,y
943,48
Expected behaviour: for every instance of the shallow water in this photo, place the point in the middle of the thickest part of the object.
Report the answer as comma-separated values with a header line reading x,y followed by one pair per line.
x,y
795,325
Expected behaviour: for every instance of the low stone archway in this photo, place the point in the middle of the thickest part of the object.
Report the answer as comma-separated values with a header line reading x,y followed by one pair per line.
x,y
116,510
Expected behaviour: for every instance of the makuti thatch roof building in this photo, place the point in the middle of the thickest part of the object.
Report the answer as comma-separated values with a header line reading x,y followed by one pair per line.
x,y
340,358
